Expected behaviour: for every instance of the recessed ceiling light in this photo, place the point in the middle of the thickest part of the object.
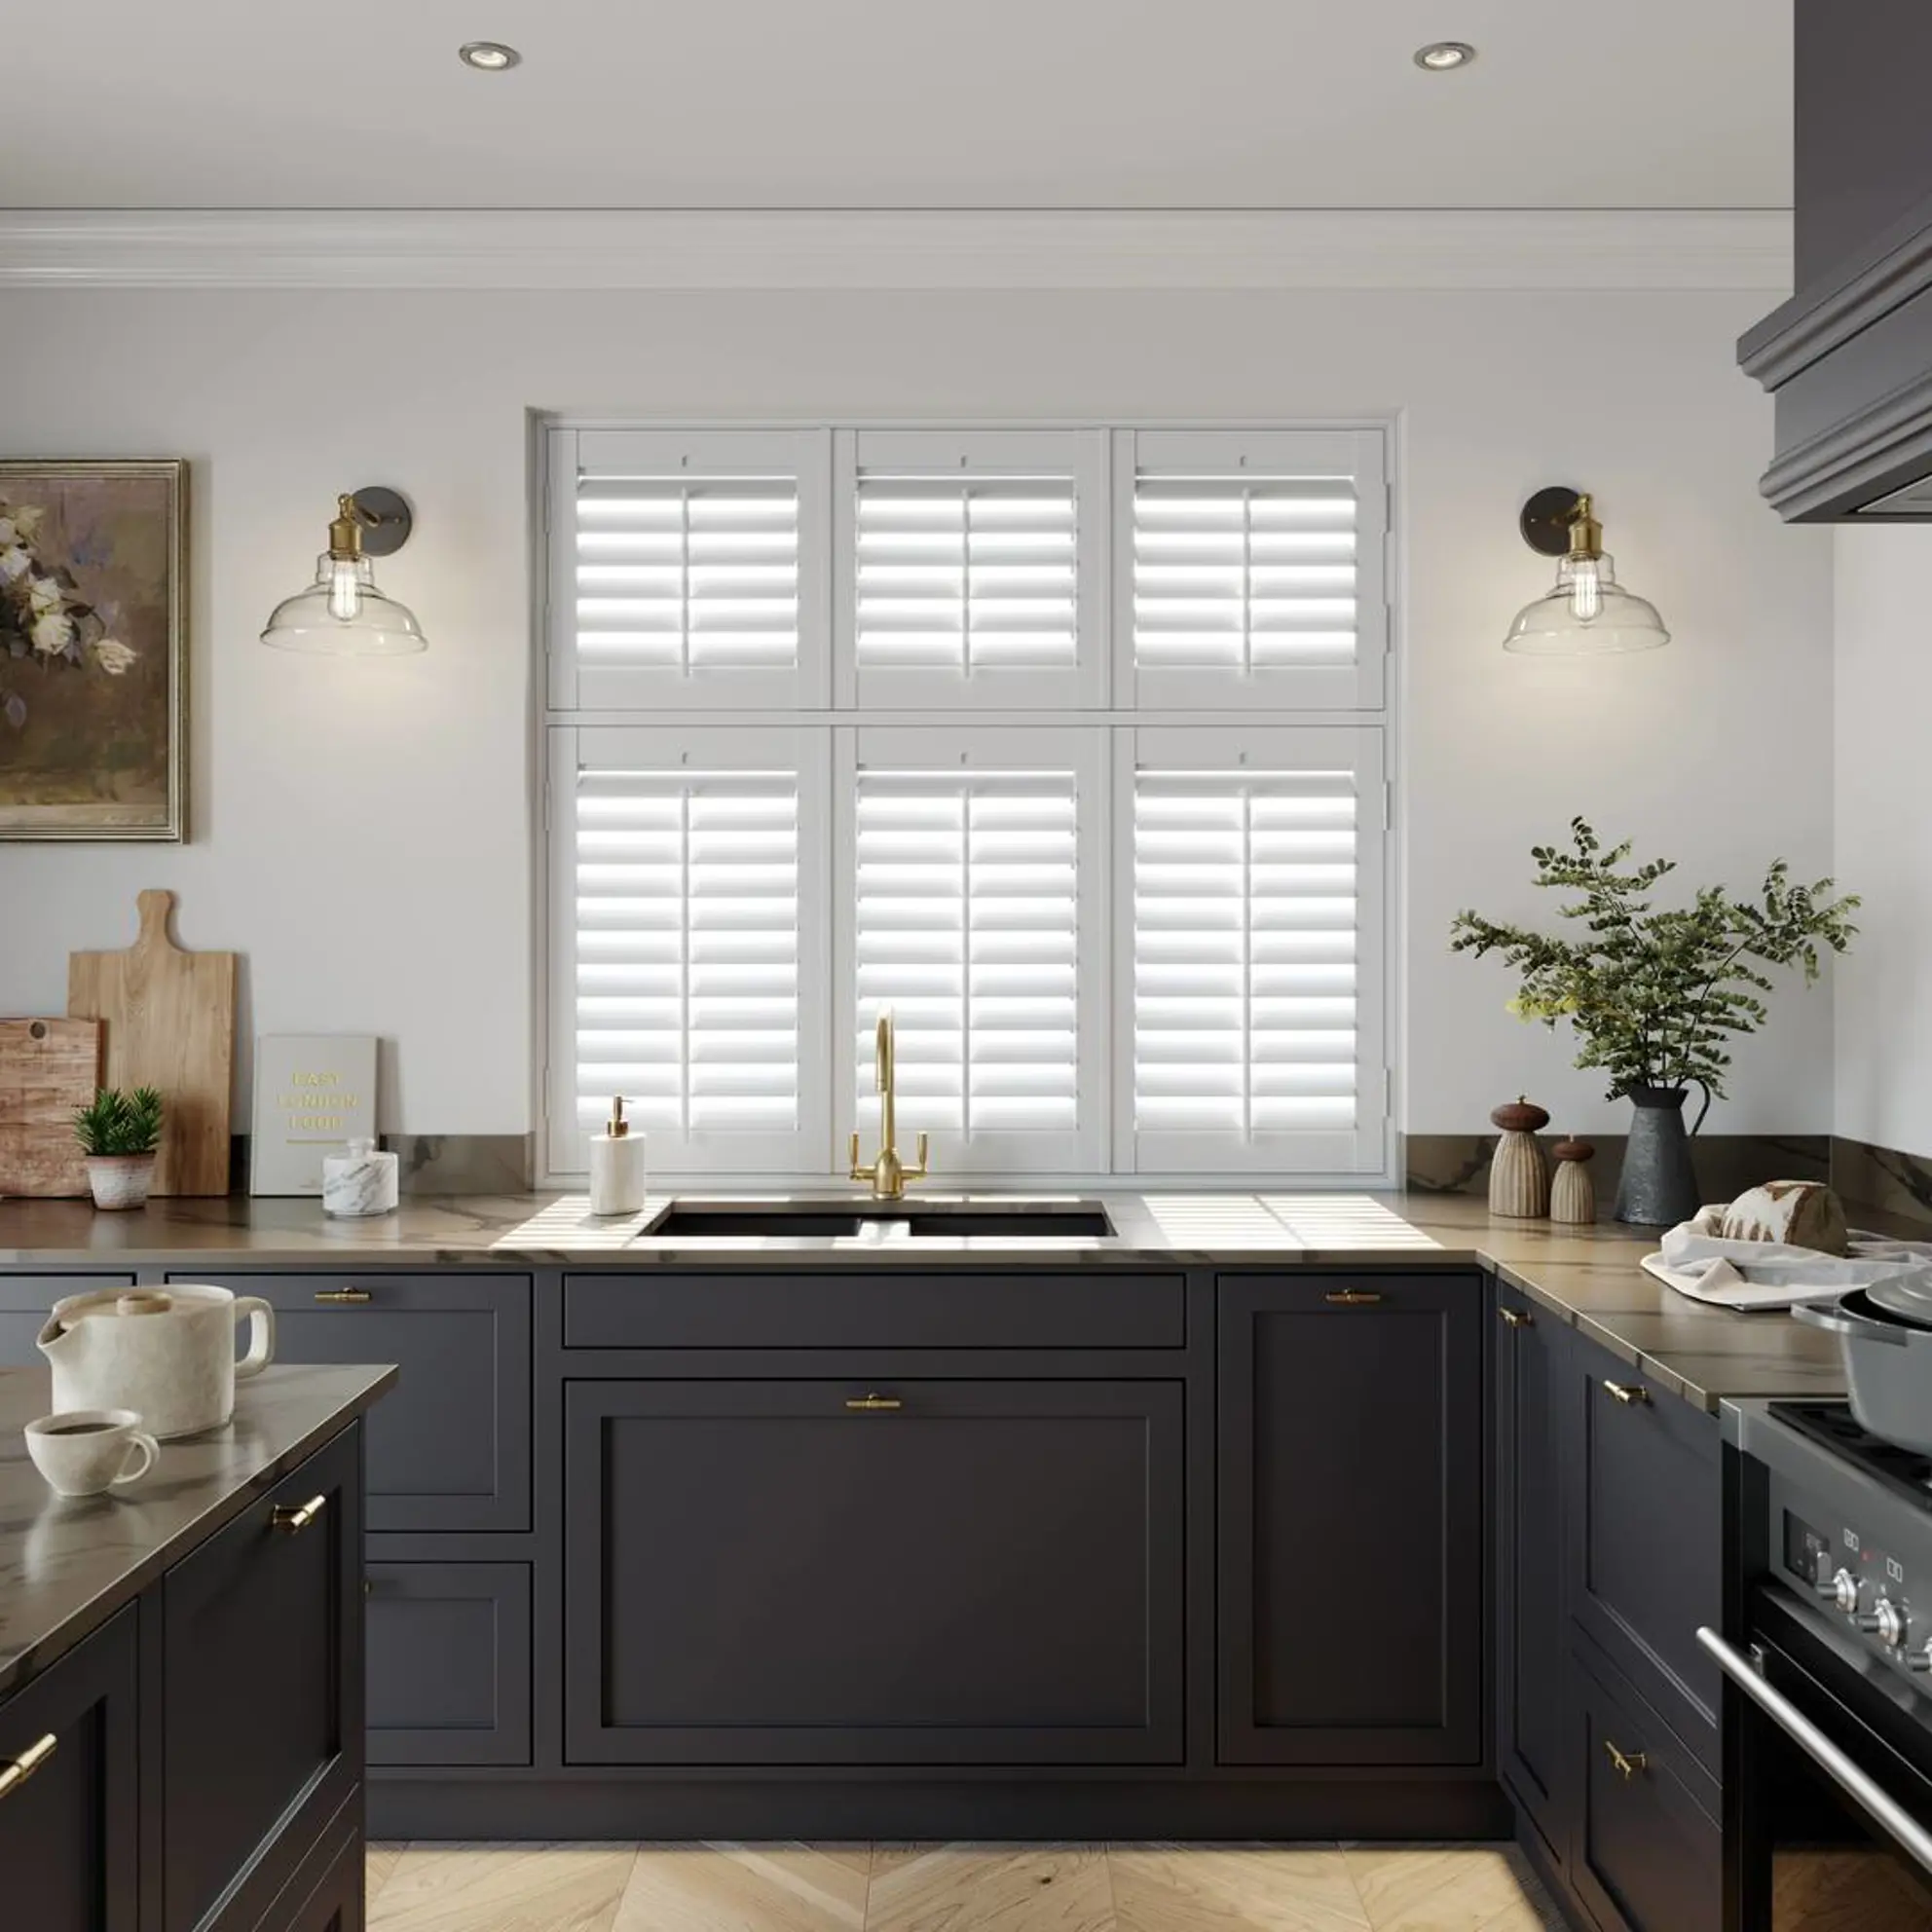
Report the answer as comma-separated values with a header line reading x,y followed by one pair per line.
x,y
492,57
1444,56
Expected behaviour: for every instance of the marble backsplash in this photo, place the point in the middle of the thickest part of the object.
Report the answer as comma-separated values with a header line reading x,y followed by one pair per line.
x,y
1900,1184
440,1163
1727,1162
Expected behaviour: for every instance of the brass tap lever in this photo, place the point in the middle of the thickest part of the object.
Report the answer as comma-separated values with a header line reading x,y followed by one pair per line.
x,y
888,1173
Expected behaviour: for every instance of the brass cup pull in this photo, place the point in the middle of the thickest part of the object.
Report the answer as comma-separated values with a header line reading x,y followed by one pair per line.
x,y
1632,1395
1352,1297
873,1403
295,1520
1627,1766
1516,1318
14,1774
343,1294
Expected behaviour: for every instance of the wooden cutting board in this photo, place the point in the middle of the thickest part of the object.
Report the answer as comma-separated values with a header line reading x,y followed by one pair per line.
x,y
47,1069
170,1017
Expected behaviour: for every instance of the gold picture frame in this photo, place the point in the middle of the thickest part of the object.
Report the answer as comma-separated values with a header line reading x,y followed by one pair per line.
x,y
94,650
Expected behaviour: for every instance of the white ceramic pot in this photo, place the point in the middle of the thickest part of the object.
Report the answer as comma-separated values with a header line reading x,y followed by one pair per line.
x,y
119,1180
167,1354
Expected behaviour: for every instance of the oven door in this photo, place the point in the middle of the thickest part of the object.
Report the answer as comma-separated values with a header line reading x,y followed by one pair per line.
x,y
1828,1785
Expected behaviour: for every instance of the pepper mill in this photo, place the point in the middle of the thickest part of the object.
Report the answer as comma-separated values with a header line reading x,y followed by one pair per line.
x,y
1519,1175
1573,1195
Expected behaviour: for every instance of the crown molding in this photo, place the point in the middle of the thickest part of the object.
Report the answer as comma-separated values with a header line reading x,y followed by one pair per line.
x,y
944,249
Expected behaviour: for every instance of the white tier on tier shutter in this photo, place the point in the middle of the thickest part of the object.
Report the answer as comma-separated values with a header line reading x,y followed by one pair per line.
x,y
974,565
689,569
1251,912
977,874
688,873
1252,568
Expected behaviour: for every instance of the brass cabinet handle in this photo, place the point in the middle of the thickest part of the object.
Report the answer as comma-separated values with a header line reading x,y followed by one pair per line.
x,y
1517,1317
343,1294
874,1403
1625,1765
1630,1393
23,1767
1352,1297
295,1520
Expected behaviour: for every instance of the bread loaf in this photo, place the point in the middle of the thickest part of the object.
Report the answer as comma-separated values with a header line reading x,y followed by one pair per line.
x,y
1800,1214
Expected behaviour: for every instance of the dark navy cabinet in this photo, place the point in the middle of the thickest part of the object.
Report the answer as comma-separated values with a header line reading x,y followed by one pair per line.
x,y
449,1663
1351,1476
69,1803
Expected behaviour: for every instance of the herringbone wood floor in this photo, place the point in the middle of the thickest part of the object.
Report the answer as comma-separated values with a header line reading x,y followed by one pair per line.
x,y
953,1888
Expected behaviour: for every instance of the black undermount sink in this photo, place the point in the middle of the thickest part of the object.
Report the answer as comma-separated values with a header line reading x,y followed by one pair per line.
x,y
893,1221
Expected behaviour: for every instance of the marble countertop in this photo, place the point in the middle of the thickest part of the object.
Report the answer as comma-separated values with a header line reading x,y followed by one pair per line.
x,y
1585,1276
67,1565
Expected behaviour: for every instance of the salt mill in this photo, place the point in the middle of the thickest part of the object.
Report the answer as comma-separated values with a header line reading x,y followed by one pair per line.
x,y
1573,1195
1519,1175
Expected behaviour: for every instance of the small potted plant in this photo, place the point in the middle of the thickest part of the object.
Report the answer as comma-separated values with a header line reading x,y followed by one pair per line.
x,y
119,1134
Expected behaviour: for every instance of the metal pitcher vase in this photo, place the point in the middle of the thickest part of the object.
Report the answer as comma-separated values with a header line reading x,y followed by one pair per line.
x,y
1658,1187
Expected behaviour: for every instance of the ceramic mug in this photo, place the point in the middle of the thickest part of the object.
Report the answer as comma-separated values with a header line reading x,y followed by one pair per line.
x,y
82,1452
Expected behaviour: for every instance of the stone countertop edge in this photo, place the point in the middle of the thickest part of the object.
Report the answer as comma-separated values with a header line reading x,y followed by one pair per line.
x,y
68,1565
1588,1277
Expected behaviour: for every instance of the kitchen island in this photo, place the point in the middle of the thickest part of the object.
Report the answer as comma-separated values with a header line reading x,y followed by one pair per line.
x,y
181,1670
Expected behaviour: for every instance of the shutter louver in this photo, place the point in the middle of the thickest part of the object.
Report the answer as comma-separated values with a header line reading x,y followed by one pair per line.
x,y
687,967
967,574
1246,926
967,927
686,576
1244,574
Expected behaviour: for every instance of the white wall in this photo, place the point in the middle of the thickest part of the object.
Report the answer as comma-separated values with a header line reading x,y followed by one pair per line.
x,y
362,828
1883,821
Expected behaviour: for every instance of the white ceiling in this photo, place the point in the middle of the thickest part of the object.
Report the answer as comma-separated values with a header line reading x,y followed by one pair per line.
x,y
899,103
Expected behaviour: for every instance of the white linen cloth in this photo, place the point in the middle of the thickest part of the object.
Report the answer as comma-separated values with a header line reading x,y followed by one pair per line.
x,y
1768,1273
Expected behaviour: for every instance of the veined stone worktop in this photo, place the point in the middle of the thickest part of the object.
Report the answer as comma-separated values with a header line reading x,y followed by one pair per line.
x,y
1590,1277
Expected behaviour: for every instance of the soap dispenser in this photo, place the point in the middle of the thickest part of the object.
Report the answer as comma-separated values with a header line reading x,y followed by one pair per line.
x,y
616,1165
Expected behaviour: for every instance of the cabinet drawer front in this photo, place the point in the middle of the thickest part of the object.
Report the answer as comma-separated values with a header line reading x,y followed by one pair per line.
x,y
449,1447
261,1670
876,1308
25,1301
1648,1853
69,1843
449,1663
1349,1552
1647,1537
936,1573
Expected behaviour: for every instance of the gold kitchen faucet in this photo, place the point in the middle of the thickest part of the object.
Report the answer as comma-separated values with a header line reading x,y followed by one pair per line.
x,y
888,1173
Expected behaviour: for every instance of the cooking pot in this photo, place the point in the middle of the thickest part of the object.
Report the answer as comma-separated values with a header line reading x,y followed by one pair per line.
x,y
167,1354
1884,1337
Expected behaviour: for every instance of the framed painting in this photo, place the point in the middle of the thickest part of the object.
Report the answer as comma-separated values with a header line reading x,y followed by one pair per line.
x,y
94,650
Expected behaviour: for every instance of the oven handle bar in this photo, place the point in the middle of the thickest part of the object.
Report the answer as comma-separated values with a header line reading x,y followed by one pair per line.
x,y
1820,1749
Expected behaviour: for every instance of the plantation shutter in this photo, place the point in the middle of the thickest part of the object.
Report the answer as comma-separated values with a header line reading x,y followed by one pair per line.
x,y
692,954
975,563
968,914
1255,569
688,571
1256,951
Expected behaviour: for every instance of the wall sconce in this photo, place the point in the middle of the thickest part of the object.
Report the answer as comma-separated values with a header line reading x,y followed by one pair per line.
x,y
342,614
1587,613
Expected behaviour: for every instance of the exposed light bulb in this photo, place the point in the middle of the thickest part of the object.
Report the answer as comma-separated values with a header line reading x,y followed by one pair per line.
x,y
345,590
1585,589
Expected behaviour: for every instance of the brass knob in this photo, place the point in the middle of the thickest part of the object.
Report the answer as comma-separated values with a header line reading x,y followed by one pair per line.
x,y
1627,1765
1631,1395
874,1403
343,1294
295,1520
1516,1318
1352,1297
14,1774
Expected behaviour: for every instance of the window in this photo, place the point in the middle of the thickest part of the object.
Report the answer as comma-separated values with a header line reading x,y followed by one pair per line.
x,y
1067,746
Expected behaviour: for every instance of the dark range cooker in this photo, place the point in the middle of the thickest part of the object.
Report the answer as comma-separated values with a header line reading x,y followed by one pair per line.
x,y
1827,1654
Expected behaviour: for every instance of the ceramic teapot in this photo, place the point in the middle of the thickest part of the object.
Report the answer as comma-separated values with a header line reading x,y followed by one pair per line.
x,y
167,1354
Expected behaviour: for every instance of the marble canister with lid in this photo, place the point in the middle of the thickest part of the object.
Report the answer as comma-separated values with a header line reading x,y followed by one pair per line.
x,y
364,1180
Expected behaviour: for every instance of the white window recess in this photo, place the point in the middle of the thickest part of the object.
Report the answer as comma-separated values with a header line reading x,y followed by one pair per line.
x,y
1252,567
1249,935
687,891
971,567
975,869
689,571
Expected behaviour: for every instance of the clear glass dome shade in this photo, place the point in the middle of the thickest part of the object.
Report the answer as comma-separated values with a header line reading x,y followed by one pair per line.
x,y
344,615
1586,615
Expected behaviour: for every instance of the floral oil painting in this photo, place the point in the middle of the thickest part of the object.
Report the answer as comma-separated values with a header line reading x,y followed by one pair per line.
x,y
93,650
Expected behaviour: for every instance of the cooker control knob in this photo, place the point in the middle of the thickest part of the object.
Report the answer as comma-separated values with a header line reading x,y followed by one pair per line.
x,y
1883,1620
1844,1591
1921,1658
